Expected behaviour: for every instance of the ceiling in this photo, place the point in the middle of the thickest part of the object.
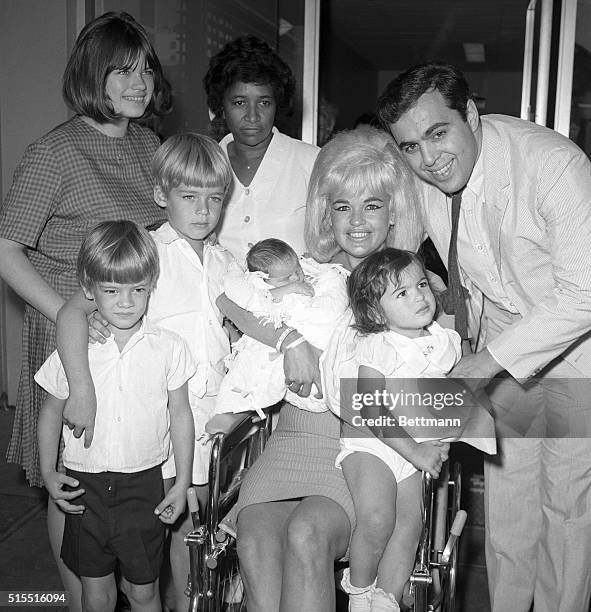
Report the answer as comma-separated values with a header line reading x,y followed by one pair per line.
x,y
395,34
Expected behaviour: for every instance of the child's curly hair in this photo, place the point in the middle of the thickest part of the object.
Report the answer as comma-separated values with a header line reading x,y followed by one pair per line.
x,y
368,283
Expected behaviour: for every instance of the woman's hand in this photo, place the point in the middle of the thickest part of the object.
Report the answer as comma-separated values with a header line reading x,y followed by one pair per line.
x,y
300,365
54,483
98,328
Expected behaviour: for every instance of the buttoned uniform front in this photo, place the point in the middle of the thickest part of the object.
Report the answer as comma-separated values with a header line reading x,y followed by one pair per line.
x,y
535,211
132,421
274,204
184,301
68,181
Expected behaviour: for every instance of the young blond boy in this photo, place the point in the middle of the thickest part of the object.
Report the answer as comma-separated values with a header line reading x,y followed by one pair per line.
x,y
140,375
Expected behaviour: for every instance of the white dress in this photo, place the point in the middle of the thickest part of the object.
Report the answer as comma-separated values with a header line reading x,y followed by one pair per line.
x,y
394,356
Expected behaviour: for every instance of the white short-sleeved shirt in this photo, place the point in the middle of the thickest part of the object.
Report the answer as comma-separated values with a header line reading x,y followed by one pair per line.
x,y
184,302
132,420
274,204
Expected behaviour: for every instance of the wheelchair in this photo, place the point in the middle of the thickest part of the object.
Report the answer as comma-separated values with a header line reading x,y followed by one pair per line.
x,y
433,579
214,583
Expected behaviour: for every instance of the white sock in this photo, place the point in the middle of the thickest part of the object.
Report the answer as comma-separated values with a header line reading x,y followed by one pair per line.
x,y
359,597
383,602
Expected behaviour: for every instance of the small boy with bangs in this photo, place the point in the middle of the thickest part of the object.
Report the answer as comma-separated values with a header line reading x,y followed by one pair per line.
x,y
141,375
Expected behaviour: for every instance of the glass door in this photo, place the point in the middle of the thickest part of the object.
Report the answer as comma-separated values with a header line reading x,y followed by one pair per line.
x,y
573,93
558,92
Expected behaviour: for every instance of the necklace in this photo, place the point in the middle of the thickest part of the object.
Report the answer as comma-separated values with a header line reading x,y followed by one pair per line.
x,y
254,162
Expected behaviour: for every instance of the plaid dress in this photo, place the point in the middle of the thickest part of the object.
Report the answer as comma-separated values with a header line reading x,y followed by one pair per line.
x,y
68,181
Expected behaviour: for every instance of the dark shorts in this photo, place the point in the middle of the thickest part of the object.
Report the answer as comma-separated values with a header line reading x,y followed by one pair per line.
x,y
118,526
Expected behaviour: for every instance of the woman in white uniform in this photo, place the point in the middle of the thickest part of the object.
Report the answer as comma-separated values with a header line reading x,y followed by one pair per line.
x,y
249,87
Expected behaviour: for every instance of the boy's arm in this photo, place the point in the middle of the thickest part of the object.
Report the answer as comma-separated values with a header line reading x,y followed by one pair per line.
x,y
300,363
182,433
72,346
49,428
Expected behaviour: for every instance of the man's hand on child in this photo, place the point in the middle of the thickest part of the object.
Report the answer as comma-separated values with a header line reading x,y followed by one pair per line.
x,y
98,328
430,456
173,505
80,412
476,369
54,483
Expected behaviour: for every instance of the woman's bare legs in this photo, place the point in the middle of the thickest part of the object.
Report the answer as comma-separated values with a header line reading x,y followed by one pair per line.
x,y
287,551
56,521
317,534
260,544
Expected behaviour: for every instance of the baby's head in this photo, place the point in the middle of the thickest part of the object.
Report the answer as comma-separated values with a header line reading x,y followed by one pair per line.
x,y
191,179
118,268
389,290
276,259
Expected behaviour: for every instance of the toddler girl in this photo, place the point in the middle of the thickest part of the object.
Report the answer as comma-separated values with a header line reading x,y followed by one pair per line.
x,y
393,336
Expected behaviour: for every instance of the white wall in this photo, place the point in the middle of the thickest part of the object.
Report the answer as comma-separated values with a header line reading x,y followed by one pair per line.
x,y
34,37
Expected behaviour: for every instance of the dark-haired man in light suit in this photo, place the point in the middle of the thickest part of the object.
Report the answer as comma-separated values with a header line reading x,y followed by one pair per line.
x,y
524,254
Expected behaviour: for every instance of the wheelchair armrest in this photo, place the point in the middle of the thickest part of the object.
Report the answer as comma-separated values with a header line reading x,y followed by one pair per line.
x,y
230,430
227,422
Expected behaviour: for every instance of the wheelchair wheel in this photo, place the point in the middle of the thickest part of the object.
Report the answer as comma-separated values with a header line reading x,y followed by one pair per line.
x,y
214,582
231,589
449,576
421,599
433,580
226,585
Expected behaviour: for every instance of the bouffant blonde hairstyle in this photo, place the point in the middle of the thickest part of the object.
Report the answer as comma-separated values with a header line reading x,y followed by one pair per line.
x,y
359,161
